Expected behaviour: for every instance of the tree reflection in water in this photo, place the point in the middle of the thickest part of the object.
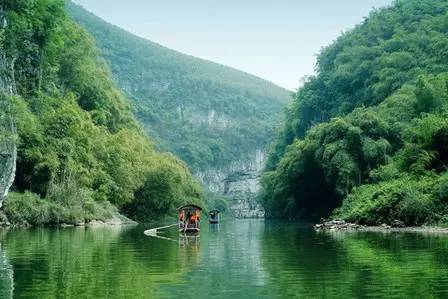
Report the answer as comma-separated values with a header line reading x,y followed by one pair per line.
x,y
337,264
6,272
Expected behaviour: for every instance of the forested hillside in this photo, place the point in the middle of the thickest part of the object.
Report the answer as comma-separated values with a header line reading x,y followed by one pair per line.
x,y
208,114
79,147
369,132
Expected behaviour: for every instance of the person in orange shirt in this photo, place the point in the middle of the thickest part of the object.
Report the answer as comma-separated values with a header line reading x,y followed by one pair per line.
x,y
193,219
182,216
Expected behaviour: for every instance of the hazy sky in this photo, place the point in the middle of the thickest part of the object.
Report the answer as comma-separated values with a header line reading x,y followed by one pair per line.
x,y
274,39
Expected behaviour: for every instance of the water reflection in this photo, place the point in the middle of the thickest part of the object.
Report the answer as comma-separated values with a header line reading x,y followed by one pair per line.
x,y
355,265
230,264
83,262
192,241
6,272
189,252
238,259
410,265
214,227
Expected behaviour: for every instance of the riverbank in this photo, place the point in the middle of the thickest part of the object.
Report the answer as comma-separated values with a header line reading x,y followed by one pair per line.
x,y
28,210
117,220
340,225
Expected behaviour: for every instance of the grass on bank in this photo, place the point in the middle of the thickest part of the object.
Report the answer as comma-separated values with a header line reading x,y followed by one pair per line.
x,y
65,203
412,200
28,209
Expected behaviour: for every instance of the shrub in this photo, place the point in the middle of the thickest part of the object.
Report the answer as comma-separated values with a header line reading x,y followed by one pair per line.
x,y
411,200
29,209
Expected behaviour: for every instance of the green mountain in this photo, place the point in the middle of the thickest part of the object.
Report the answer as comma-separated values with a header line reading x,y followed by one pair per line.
x,y
368,134
210,115
79,147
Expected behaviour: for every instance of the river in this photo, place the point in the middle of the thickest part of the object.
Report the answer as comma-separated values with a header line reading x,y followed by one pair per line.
x,y
238,259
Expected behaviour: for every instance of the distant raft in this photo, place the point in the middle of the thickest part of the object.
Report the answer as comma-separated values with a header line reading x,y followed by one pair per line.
x,y
214,216
190,218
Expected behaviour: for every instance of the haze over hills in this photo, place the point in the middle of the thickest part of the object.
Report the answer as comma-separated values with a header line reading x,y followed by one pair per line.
x,y
217,119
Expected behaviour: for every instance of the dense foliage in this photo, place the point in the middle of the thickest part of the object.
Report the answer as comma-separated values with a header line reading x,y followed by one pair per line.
x,y
381,98
75,128
208,114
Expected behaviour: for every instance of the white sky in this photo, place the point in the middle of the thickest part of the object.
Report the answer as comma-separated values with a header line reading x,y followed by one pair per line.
x,y
274,39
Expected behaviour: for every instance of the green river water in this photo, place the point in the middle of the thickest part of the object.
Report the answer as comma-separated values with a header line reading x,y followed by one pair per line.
x,y
238,259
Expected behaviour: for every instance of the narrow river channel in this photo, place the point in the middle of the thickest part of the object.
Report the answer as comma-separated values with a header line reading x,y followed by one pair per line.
x,y
237,259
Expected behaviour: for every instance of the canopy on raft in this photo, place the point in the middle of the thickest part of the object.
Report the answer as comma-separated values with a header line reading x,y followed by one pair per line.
x,y
189,218
190,206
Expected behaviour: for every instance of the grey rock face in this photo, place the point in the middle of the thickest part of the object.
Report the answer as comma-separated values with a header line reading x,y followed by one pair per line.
x,y
240,183
8,151
211,119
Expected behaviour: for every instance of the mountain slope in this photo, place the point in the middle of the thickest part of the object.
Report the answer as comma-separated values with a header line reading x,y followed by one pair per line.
x,y
79,147
368,132
217,119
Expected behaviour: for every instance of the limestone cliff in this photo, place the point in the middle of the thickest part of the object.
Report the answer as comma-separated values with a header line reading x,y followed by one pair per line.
x,y
239,183
8,150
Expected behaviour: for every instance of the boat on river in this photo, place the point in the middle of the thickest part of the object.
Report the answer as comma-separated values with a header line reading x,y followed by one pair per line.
x,y
190,218
213,216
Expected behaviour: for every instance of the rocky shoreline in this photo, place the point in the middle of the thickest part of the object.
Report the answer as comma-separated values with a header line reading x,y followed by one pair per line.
x,y
397,226
115,221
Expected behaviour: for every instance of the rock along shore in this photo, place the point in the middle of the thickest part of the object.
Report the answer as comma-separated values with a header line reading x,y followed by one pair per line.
x,y
115,221
397,226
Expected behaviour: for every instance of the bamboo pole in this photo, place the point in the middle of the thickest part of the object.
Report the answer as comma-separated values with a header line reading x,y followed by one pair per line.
x,y
153,231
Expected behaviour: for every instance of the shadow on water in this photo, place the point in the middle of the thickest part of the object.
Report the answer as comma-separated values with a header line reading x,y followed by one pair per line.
x,y
237,259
